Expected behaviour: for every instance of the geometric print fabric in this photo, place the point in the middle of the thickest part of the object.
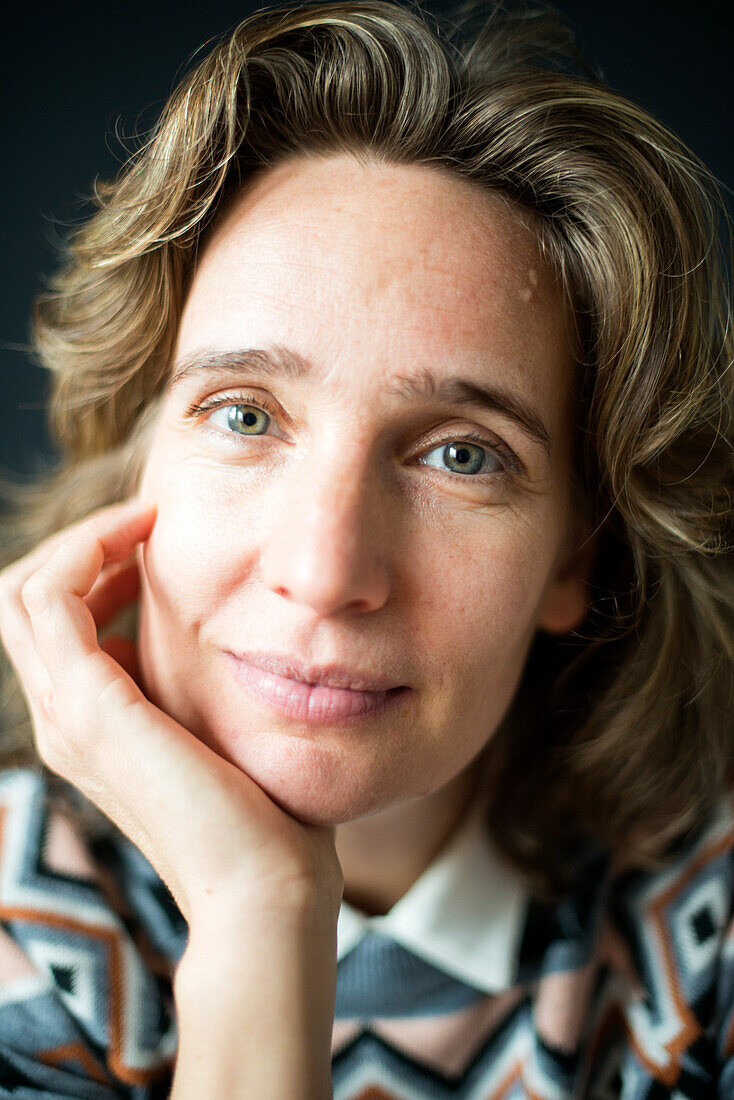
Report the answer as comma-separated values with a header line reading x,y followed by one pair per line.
x,y
625,989
97,1015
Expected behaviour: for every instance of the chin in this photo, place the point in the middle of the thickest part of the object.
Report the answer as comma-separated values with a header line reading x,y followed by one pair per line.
x,y
312,782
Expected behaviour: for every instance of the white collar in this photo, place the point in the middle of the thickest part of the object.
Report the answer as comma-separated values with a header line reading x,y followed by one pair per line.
x,y
464,914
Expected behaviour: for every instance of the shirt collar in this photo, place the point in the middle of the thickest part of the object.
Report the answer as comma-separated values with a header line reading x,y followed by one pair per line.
x,y
464,914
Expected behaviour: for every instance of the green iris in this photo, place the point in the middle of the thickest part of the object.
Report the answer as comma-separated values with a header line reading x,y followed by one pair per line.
x,y
244,419
461,454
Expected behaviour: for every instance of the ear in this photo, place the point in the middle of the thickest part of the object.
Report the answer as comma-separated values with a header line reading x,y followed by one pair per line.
x,y
566,599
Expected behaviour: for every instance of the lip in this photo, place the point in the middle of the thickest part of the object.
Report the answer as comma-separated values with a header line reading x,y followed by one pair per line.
x,y
334,676
287,687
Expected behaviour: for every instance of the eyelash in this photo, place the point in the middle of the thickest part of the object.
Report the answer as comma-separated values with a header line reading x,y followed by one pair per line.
x,y
512,464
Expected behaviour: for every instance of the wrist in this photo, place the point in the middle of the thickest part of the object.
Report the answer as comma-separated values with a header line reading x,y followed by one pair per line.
x,y
255,994
302,911
249,935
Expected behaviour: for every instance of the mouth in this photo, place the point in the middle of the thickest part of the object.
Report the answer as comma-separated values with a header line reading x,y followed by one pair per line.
x,y
314,702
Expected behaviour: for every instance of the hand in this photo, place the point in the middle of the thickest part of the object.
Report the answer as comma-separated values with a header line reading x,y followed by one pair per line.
x,y
210,831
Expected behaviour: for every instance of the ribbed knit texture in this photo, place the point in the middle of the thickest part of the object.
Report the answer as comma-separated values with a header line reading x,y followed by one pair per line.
x,y
625,989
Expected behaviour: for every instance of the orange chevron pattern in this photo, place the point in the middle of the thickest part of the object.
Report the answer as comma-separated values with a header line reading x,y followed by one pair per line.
x,y
98,928
83,951
75,1052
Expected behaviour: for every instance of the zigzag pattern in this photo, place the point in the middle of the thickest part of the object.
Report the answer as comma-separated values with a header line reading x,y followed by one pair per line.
x,y
678,924
511,1065
95,1002
670,933
89,937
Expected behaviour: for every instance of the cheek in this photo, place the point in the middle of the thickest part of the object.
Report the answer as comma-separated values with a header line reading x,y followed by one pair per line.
x,y
480,605
467,586
198,545
488,585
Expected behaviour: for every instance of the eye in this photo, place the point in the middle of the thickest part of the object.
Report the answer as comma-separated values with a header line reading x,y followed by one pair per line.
x,y
241,419
472,456
467,458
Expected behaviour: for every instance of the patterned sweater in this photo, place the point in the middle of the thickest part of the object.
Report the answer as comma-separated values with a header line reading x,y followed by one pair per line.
x,y
469,987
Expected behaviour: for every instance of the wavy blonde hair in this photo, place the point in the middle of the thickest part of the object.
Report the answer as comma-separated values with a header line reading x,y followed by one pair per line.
x,y
620,731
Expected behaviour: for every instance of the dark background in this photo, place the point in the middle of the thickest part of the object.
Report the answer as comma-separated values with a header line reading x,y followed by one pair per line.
x,y
74,72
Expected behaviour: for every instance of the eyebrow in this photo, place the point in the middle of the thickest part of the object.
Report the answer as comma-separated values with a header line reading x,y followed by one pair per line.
x,y
280,362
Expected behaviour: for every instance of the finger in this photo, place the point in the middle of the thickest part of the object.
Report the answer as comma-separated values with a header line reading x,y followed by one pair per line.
x,y
15,626
113,589
80,556
63,626
20,649
13,576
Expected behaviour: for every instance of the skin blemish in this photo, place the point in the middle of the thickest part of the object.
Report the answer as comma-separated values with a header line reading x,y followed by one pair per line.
x,y
528,292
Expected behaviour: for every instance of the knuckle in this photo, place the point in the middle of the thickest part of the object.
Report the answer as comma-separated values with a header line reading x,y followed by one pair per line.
x,y
35,593
117,695
10,603
62,743
53,748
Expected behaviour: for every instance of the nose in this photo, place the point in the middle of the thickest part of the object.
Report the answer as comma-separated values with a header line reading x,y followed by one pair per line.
x,y
326,545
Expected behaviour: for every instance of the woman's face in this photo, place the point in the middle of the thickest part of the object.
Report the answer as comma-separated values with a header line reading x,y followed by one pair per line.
x,y
359,506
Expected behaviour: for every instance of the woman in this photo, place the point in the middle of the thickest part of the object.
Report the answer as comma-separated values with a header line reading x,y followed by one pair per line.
x,y
392,384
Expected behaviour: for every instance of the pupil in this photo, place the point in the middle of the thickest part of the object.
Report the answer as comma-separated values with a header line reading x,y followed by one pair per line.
x,y
462,455
242,417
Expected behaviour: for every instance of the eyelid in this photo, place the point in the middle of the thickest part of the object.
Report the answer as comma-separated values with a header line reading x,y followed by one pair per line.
x,y
224,400
512,464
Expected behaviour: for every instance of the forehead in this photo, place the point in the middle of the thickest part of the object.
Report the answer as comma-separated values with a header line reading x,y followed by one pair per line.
x,y
379,261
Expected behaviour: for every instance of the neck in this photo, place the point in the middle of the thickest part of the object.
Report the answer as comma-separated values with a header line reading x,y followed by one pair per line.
x,y
383,855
